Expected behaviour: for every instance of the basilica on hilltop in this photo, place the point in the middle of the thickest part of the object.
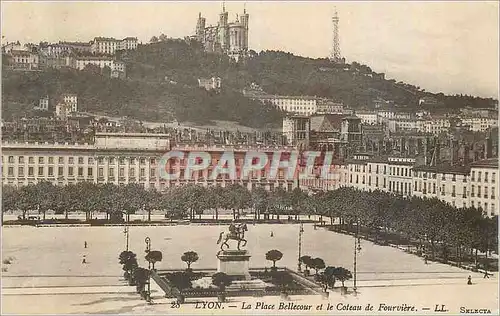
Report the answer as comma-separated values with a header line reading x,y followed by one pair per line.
x,y
226,37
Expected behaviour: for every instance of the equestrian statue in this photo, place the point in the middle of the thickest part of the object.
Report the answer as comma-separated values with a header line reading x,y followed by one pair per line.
x,y
236,232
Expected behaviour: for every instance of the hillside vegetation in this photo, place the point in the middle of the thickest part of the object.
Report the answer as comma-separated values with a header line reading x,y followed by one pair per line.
x,y
162,84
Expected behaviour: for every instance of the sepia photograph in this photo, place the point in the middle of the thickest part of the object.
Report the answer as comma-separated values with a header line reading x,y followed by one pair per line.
x,y
258,157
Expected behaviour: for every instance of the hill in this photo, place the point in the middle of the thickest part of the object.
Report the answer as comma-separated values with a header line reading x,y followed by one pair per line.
x,y
162,85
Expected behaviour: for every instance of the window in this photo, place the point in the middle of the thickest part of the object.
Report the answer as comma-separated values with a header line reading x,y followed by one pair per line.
x,y
486,177
11,159
111,172
80,171
472,194
369,168
479,176
152,172
443,191
21,159
91,161
70,171
357,179
11,170
111,161
485,192
464,195
453,191
454,178
142,172
478,191
415,188
385,169
492,193
493,176
60,171
376,170
406,172
122,172
20,171
30,171
132,161
80,160
384,183
142,161
121,161
131,172
473,176
71,160
100,161
40,171
61,160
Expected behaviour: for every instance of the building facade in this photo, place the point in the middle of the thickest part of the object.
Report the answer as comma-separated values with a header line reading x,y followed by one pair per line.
x,y
126,158
226,37
109,45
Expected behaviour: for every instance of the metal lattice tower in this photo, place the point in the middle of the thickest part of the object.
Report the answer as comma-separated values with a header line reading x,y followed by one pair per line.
x,y
335,53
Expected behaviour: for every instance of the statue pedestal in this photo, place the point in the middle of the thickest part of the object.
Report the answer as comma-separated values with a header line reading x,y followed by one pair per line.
x,y
234,263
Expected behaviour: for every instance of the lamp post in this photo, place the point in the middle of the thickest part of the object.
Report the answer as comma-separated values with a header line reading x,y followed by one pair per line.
x,y
125,232
357,249
301,231
148,248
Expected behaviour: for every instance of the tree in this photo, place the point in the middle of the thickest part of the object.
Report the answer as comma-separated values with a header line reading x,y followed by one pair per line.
x,y
306,260
283,279
237,198
260,201
189,258
221,280
153,257
153,39
317,264
129,261
10,195
327,278
215,199
274,255
141,279
342,274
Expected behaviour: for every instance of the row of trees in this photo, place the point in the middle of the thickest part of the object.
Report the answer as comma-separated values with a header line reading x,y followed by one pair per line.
x,y
430,222
427,221
188,200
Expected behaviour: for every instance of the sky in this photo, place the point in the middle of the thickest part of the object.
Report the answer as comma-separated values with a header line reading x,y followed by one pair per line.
x,y
449,47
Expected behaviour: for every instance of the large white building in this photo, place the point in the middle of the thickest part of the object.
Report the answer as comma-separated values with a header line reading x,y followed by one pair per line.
x,y
302,105
43,104
109,45
26,60
479,123
469,186
367,117
121,158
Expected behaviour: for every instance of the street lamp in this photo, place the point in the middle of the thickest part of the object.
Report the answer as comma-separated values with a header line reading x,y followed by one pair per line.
x,y
148,249
125,232
357,249
301,231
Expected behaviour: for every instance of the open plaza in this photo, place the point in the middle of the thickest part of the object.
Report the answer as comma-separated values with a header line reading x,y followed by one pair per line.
x,y
47,268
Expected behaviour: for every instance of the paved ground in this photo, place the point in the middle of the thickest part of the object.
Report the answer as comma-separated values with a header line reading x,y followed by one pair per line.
x,y
47,268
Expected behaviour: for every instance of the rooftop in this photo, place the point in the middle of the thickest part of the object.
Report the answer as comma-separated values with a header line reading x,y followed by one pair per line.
x,y
444,168
486,163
